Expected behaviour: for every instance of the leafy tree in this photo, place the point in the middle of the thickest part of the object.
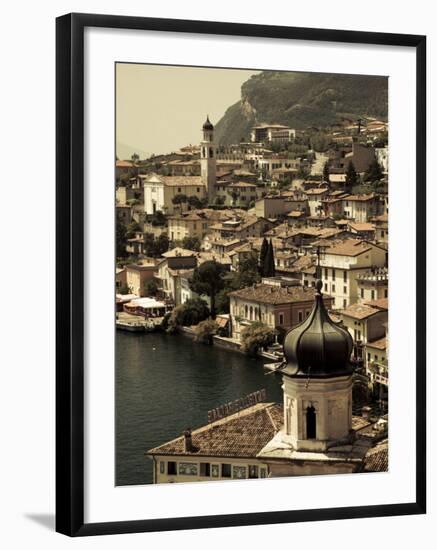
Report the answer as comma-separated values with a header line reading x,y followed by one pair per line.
x,y
374,173
135,158
205,331
192,312
219,201
179,199
120,239
162,243
222,301
263,255
151,287
132,228
194,202
191,243
208,280
256,336
158,218
155,247
303,172
351,175
124,289
326,172
247,274
234,194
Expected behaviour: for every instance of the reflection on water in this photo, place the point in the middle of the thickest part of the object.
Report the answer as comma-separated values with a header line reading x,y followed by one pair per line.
x,y
165,384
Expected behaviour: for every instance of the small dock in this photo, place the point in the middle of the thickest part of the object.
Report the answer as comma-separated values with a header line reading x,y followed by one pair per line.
x,y
136,323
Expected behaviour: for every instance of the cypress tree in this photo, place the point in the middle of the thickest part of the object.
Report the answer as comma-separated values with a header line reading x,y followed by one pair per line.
x,y
269,265
326,172
351,175
262,256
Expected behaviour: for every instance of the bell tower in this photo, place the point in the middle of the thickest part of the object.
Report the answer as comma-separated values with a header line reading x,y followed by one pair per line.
x,y
208,159
317,382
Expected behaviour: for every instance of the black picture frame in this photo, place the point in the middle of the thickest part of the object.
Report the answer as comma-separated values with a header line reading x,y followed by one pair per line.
x,y
70,273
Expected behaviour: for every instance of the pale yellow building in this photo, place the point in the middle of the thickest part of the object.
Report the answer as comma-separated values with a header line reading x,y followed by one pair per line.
x,y
137,275
190,224
343,263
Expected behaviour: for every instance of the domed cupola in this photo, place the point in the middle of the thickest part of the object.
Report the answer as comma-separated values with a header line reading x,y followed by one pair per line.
x,y
317,347
207,124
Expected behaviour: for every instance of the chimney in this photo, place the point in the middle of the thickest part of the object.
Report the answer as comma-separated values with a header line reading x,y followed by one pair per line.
x,y
188,442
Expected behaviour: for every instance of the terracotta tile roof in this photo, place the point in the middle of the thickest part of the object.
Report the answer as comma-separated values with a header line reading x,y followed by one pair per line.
x,y
378,344
142,267
270,294
242,434
381,303
359,311
362,226
125,164
176,252
361,198
381,218
296,214
304,262
349,247
316,191
180,181
376,459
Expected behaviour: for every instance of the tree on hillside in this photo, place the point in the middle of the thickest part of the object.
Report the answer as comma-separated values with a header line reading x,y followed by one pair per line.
x,y
269,263
262,255
208,280
374,173
195,202
155,247
179,199
120,239
132,228
234,194
247,273
158,218
351,175
326,172
135,158
151,287
191,243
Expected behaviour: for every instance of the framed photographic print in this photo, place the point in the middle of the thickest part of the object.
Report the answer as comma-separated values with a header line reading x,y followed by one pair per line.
x,y
240,270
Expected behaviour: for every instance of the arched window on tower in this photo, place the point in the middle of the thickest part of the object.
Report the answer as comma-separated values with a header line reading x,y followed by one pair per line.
x,y
211,153
311,422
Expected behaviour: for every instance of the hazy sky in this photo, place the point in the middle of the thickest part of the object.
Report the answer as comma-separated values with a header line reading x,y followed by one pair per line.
x,y
162,108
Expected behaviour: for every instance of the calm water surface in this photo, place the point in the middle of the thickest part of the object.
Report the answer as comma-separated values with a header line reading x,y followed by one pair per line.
x,y
166,383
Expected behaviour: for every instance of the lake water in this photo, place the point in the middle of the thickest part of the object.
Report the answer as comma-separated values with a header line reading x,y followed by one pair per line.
x,y
167,383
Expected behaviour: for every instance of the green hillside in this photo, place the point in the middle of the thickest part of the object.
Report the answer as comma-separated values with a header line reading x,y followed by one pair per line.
x,y
301,100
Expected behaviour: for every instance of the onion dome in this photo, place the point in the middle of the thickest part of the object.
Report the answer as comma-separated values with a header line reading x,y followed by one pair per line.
x,y
207,124
318,347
